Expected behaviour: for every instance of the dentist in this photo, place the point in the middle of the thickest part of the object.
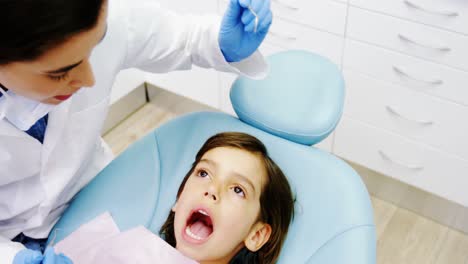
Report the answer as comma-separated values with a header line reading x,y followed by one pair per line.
x,y
58,61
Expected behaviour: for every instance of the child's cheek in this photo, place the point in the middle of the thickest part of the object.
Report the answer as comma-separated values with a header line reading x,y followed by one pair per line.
x,y
237,221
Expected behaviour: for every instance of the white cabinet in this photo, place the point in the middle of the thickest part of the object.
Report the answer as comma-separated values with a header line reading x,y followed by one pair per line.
x,y
294,36
408,37
406,69
406,160
409,113
448,14
431,78
324,15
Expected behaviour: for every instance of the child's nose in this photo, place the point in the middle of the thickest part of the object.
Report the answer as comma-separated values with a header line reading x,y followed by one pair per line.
x,y
211,196
212,192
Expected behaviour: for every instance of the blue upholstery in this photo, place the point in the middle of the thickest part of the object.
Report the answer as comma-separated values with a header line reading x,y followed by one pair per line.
x,y
333,221
302,102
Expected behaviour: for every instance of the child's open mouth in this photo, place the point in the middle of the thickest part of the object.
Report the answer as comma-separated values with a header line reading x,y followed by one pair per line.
x,y
199,227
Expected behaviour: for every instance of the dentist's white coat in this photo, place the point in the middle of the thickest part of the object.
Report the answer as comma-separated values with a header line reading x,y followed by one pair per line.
x,y
37,181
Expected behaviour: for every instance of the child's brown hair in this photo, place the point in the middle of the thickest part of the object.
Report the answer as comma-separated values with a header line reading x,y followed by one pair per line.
x,y
276,199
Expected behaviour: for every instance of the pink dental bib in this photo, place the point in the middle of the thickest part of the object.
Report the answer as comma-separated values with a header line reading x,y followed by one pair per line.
x,y
100,241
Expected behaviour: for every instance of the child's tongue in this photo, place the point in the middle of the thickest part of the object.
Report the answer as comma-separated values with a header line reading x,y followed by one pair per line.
x,y
200,229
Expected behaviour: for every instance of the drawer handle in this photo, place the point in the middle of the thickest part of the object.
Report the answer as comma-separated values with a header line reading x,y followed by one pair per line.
x,y
288,6
408,40
392,111
287,38
399,163
427,10
403,73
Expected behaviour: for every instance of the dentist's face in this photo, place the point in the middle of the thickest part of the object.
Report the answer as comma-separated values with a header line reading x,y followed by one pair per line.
x,y
60,72
218,210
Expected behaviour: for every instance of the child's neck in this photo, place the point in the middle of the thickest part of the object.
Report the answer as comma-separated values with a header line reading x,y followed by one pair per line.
x,y
224,260
215,262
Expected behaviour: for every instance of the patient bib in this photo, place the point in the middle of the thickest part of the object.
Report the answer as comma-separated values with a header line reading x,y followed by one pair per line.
x,y
100,241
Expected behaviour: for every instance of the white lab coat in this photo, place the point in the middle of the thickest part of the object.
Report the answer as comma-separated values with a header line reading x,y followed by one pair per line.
x,y
38,180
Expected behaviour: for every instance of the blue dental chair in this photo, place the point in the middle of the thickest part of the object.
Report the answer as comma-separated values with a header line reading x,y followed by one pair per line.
x,y
297,105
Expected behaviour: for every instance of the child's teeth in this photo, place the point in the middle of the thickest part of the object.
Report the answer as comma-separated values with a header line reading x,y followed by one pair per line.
x,y
190,234
202,212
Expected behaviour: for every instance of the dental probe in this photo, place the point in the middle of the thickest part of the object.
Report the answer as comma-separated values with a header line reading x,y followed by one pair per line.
x,y
256,17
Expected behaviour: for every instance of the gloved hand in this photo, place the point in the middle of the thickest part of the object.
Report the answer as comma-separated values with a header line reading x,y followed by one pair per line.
x,y
237,37
28,256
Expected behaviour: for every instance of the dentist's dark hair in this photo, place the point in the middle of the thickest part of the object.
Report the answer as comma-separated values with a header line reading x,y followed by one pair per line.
x,y
29,28
276,199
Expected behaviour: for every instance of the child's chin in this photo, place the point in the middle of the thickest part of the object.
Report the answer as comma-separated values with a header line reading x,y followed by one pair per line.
x,y
193,253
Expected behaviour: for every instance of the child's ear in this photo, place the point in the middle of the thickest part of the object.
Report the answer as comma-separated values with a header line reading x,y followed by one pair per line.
x,y
258,236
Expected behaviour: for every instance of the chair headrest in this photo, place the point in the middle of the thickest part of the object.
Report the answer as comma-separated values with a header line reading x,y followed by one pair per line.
x,y
301,99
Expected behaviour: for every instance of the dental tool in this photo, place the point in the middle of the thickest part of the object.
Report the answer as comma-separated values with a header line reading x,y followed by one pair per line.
x,y
256,17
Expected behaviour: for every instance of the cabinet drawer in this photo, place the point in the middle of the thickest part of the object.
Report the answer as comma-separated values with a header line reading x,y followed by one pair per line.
x,y
412,114
431,78
293,36
408,37
321,14
447,14
416,164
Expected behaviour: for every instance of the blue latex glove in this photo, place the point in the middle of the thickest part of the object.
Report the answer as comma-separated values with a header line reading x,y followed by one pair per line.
x,y
28,256
237,38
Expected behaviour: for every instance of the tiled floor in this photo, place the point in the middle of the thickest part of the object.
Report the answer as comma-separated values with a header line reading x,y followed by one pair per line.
x,y
403,236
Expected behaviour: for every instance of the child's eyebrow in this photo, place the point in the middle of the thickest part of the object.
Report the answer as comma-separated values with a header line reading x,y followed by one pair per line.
x,y
244,179
235,174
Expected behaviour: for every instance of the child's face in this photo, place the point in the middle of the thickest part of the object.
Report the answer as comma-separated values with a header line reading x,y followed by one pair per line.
x,y
217,212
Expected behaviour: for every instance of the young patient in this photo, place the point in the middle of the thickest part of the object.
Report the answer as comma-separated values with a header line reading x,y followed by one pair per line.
x,y
233,206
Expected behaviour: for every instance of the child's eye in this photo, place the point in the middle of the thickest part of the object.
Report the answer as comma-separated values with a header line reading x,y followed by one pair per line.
x,y
58,77
238,190
202,173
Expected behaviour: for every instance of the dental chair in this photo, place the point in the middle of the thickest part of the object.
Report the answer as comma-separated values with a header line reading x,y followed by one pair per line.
x,y
296,106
